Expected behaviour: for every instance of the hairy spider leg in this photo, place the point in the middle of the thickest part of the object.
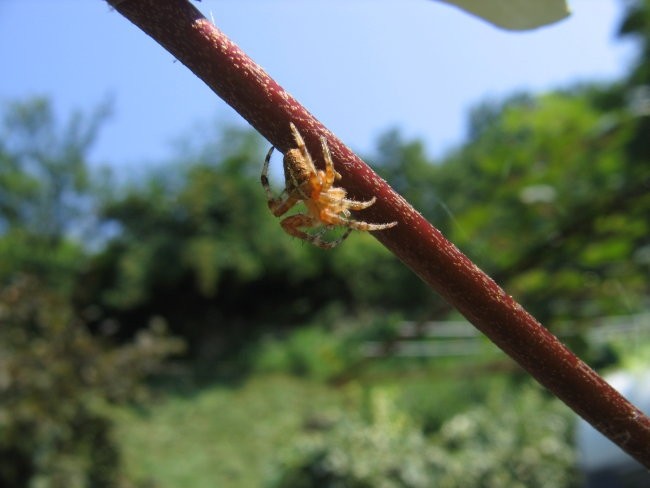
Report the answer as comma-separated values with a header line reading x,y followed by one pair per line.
x,y
336,219
330,244
302,147
330,172
357,205
278,205
265,175
294,223
335,202
350,204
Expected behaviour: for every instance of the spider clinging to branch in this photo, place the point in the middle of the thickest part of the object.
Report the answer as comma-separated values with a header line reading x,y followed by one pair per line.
x,y
326,205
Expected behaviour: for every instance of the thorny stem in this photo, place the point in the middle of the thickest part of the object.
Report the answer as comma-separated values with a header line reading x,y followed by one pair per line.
x,y
181,29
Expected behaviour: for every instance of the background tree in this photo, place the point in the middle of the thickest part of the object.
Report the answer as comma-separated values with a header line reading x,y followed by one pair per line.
x,y
44,189
56,379
559,212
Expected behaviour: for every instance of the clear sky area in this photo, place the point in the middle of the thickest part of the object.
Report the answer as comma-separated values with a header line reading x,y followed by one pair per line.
x,y
360,66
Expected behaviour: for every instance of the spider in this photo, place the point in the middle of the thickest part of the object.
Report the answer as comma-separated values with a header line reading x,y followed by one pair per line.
x,y
326,205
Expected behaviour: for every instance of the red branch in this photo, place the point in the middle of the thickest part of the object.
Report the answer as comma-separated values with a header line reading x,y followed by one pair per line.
x,y
215,59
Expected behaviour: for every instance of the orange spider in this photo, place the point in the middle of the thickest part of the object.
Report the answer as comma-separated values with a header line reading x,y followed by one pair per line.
x,y
326,204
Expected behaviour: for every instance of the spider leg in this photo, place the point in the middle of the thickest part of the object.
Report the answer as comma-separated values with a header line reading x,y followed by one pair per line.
x,y
294,223
330,172
356,205
300,142
338,241
277,205
335,202
335,219
265,175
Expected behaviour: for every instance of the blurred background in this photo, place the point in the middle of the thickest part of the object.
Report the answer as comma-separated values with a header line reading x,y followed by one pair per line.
x,y
157,327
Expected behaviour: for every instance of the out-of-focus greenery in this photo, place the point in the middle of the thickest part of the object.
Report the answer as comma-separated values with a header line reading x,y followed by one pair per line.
x,y
56,381
56,378
313,352
327,349
278,431
385,450
44,190
491,445
546,197
223,435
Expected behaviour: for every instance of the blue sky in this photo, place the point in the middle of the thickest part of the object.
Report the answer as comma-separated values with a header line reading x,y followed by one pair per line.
x,y
360,66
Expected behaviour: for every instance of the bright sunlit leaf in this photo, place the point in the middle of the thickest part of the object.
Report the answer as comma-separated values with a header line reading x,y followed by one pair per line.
x,y
515,14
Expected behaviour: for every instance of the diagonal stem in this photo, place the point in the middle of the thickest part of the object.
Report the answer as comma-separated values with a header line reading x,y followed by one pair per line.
x,y
206,51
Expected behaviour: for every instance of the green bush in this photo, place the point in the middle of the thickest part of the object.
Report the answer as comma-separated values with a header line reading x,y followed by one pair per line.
x,y
514,440
320,350
453,392
312,352
56,381
517,439
385,452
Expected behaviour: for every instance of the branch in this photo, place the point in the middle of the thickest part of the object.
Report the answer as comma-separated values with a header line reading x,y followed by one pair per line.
x,y
231,74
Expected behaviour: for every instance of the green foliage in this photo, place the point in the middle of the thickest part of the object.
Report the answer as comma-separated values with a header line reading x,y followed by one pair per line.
x,y
516,440
328,349
385,452
636,25
286,430
220,435
549,195
43,175
44,184
55,382
540,163
22,252
456,390
56,379
313,352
